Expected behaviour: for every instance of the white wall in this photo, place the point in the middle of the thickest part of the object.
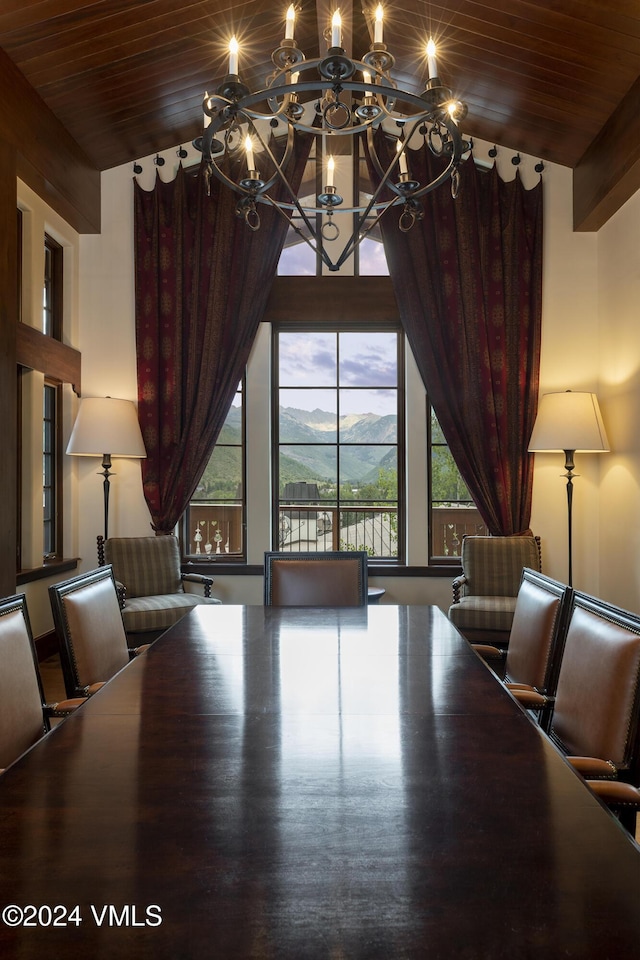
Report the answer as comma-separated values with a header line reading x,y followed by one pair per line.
x,y
619,349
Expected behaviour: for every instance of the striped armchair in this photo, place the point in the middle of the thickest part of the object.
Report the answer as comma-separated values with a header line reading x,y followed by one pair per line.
x,y
484,596
150,583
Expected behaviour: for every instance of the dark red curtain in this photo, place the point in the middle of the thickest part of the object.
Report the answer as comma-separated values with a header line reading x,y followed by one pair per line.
x,y
202,282
468,281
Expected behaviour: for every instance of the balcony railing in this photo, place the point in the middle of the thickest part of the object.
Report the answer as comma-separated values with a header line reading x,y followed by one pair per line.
x,y
218,529
374,529
320,527
449,524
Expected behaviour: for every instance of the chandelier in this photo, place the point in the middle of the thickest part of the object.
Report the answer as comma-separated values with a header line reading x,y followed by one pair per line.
x,y
328,97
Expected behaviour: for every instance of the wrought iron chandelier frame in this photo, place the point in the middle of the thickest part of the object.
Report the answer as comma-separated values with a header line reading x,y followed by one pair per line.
x,y
373,100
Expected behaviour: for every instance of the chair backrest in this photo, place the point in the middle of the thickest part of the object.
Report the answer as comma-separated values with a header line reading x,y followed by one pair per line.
x,y
93,643
493,566
330,579
147,566
597,701
538,631
22,720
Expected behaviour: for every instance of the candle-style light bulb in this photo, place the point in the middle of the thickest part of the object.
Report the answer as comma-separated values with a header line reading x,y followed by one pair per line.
x,y
377,28
432,66
289,23
233,56
248,146
207,118
331,166
402,158
336,29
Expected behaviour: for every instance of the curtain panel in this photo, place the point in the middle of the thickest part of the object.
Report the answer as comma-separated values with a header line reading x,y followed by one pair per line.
x,y
202,278
468,282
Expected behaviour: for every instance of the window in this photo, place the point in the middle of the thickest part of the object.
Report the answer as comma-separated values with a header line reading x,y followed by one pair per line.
x,y
39,506
214,524
298,258
338,440
50,470
453,512
52,289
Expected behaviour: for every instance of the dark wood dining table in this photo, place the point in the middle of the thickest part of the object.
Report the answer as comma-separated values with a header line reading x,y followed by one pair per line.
x,y
303,783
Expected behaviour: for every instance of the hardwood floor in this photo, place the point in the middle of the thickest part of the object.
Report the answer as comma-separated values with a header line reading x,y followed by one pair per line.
x,y
52,681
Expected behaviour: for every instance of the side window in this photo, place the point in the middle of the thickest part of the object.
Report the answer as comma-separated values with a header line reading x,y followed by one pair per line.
x,y
51,451
214,524
39,506
453,512
52,290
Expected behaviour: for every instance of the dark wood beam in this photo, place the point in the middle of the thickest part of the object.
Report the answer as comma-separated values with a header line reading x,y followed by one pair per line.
x,y
8,375
47,158
332,299
609,172
39,352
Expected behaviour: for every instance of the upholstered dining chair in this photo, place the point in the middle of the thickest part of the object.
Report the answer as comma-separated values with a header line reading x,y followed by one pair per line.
x,y
24,716
91,635
596,711
150,582
484,596
330,579
536,643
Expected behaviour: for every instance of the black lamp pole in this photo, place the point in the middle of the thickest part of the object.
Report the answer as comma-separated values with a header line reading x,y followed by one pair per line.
x,y
569,465
106,473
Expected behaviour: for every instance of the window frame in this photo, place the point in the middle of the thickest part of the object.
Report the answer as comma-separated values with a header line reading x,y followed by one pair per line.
x,y
471,525
337,327
186,519
54,523
53,288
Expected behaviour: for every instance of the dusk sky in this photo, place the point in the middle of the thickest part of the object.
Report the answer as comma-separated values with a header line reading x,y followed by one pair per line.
x,y
366,360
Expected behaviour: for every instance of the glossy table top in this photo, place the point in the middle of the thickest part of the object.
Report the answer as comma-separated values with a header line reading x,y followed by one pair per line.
x,y
302,784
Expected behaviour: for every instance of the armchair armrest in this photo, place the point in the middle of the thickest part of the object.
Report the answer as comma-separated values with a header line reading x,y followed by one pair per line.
x,y
528,696
136,651
457,585
615,793
594,767
63,707
205,582
488,652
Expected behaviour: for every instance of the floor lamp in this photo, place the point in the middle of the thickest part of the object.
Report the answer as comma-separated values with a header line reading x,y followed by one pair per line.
x,y
106,427
569,422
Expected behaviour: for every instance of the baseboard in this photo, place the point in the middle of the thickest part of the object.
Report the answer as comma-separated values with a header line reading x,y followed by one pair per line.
x,y
46,645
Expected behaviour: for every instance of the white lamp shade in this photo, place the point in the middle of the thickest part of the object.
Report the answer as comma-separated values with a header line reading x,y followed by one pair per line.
x,y
106,425
569,421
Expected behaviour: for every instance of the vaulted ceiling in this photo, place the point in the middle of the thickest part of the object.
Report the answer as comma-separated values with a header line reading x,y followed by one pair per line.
x,y
550,78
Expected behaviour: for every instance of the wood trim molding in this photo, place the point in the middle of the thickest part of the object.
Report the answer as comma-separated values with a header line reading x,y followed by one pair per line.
x,y
8,369
339,299
57,360
609,172
48,158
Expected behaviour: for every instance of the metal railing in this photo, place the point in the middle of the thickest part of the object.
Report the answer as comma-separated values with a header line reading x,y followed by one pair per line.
x,y
449,524
321,527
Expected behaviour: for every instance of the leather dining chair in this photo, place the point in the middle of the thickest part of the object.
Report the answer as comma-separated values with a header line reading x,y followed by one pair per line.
x,y
329,579
538,633
596,712
24,716
91,635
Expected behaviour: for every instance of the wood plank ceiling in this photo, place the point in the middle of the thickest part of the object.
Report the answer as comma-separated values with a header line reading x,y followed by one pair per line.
x,y
126,78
